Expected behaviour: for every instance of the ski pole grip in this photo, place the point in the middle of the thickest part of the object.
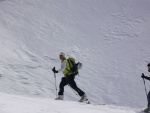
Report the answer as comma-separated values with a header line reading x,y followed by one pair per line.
x,y
53,68
54,72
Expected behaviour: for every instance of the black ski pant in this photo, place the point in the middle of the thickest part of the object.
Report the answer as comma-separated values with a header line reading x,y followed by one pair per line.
x,y
148,97
69,80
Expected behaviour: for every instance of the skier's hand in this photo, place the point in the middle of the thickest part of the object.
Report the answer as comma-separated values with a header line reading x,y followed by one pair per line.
x,y
143,76
54,70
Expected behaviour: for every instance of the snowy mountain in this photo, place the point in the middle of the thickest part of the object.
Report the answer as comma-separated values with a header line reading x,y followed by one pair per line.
x,y
110,38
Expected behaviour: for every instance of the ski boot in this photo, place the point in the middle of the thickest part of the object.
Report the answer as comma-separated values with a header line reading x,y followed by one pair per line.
x,y
83,98
147,110
60,97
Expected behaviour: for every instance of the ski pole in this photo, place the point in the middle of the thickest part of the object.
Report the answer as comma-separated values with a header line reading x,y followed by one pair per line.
x,y
145,88
55,82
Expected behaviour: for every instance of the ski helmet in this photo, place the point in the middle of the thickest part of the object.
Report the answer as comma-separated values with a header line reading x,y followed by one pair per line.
x,y
62,54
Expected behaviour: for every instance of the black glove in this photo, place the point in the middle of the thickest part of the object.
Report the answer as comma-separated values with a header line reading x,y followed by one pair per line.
x,y
143,76
54,70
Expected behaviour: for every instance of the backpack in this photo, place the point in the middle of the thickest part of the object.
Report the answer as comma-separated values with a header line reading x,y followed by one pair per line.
x,y
74,67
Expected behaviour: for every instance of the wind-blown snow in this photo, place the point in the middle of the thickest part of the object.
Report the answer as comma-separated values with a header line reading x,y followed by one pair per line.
x,y
110,38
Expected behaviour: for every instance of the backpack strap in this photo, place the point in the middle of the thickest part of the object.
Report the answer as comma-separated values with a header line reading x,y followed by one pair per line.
x,y
69,65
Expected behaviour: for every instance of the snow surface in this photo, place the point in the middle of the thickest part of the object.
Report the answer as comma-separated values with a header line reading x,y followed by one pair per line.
x,y
110,37
19,104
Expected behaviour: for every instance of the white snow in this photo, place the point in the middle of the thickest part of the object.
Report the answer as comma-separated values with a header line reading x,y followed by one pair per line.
x,y
110,37
19,104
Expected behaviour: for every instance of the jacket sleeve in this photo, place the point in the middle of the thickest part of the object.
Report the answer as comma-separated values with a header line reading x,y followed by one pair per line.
x,y
63,67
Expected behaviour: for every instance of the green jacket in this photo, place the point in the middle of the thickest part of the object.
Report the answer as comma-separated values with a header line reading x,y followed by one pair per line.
x,y
67,71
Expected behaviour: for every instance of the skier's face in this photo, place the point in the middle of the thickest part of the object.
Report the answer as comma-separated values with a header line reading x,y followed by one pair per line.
x,y
61,57
149,68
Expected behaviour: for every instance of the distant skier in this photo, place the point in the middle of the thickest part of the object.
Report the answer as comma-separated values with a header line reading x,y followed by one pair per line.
x,y
148,96
68,79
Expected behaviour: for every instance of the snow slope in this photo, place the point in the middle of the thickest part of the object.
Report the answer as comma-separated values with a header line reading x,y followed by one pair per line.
x,y
110,38
19,104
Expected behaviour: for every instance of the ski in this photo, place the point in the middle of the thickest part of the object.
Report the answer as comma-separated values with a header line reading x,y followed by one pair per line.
x,y
86,102
89,102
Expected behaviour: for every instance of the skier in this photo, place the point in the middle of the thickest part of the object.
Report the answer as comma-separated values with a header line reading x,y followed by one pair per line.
x,y
68,79
148,96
